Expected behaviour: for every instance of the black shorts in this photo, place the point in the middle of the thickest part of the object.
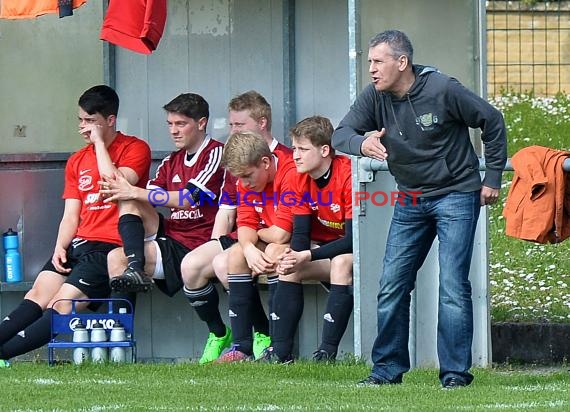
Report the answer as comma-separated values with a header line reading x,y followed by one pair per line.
x,y
226,241
172,253
87,260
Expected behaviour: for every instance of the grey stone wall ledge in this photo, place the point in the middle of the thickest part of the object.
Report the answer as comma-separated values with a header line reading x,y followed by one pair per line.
x,y
16,286
538,343
41,160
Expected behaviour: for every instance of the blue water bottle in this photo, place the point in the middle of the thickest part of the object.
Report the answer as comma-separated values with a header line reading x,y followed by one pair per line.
x,y
12,260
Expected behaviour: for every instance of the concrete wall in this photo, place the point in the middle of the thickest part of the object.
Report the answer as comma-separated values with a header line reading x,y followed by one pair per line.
x,y
217,49
293,52
45,64
444,33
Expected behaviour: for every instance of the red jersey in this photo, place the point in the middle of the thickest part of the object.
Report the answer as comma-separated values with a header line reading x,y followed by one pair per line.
x,y
192,225
330,206
259,210
136,25
99,221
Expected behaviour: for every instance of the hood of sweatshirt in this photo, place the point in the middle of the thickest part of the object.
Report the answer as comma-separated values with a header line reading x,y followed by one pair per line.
x,y
421,73
429,150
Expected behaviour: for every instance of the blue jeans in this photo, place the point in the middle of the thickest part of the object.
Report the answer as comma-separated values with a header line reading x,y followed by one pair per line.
x,y
453,218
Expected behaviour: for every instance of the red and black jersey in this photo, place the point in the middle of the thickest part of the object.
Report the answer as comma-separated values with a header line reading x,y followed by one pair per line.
x,y
98,220
259,210
329,206
192,225
280,148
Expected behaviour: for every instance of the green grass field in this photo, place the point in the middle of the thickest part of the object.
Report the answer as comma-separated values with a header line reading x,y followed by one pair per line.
x,y
263,387
529,282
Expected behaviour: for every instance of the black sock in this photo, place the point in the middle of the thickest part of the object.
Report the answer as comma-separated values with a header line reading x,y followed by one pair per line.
x,y
242,294
130,296
23,315
205,302
131,229
34,336
272,282
337,315
288,308
258,317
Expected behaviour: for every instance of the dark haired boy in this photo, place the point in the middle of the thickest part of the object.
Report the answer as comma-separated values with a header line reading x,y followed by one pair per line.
x,y
88,228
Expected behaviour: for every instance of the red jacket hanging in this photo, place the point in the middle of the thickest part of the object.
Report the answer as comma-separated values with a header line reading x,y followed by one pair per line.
x,y
538,203
135,24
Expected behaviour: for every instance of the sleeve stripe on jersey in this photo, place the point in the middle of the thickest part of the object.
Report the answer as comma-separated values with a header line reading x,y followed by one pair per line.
x,y
227,196
215,158
149,184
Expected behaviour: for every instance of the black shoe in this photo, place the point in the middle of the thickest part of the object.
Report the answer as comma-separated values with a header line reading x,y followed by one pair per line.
x,y
269,356
321,355
371,380
454,383
132,280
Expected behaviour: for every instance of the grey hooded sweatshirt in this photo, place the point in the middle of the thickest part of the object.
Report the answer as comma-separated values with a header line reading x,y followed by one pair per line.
x,y
427,134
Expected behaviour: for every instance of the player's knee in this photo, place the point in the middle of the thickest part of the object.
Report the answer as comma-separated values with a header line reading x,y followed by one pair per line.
x,y
220,265
341,269
235,253
61,306
116,262
342,263
236,262
36,295
294,277
189,271
273,250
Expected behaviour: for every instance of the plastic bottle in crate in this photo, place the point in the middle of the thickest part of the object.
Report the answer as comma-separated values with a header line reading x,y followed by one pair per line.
x,y
80,335
98,334
118,334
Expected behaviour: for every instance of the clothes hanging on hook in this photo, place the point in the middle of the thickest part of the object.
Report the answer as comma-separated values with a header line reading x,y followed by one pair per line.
x,y
135,24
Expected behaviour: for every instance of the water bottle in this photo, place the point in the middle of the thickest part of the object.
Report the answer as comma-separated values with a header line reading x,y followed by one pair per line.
x,y
98,334
12,260
80,335
118,353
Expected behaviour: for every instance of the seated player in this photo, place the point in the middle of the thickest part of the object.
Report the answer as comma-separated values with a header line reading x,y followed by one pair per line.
x,y
189,182
88,228
321,244
261,219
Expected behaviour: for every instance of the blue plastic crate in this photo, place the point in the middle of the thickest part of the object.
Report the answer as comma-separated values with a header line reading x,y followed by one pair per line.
x,y
63,325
